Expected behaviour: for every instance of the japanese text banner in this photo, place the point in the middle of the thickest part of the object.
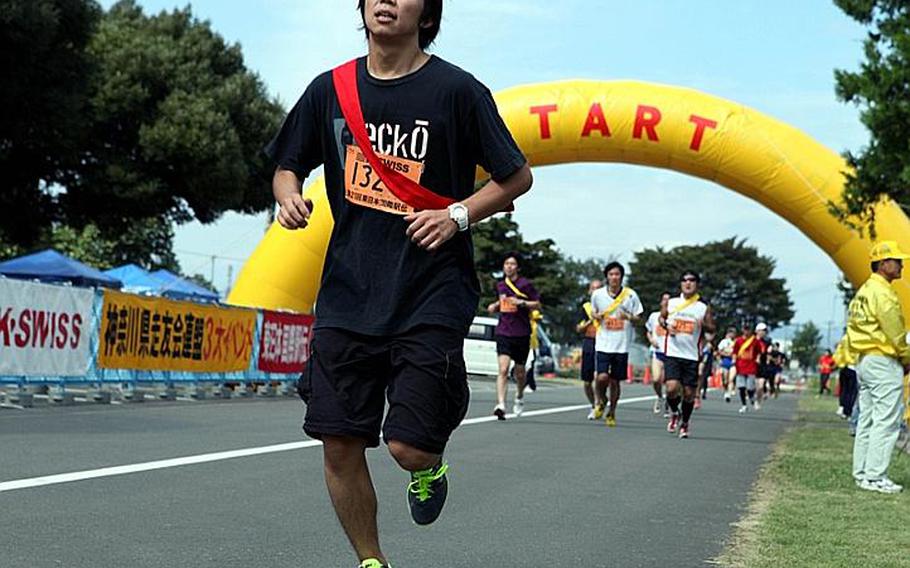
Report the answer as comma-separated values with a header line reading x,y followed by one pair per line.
x,y
165,335
44,329
284,344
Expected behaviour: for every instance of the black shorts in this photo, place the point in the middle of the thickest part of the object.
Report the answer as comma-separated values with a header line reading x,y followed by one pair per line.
x,y
616,365
516,348
682,370
421,372
587,359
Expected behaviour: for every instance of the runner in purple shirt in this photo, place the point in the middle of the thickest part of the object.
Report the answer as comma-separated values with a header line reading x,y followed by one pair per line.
x,y
517,299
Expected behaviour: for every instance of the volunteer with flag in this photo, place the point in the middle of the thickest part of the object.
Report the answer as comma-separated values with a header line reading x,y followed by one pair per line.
x,y
686,318
398,289
616,306
876,341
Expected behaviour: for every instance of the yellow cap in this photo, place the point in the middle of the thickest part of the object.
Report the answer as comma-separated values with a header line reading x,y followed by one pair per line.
x,y
887,249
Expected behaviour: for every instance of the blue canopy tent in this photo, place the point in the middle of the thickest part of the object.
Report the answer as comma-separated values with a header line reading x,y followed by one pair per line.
x,y
173,286
52,266
135,279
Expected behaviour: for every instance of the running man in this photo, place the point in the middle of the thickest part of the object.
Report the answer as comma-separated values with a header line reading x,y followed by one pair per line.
x,y
826,366
517,301
398,289
746,351
616,306
588,327
728,371
765,375
705,368
657,337
686,319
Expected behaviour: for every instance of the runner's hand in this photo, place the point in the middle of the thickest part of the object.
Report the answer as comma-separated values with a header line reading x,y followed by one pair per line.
x,y
294,211
430,229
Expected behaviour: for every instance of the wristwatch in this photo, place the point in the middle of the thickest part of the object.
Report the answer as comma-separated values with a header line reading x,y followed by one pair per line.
x,y
459,213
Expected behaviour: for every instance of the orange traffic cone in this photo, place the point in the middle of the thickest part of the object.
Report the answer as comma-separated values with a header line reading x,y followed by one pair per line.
x,y
647,378
630,373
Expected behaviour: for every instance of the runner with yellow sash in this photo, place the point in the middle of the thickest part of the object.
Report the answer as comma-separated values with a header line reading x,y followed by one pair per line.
x,y
657,337
616,307
746,351
588,326
686,319
518,305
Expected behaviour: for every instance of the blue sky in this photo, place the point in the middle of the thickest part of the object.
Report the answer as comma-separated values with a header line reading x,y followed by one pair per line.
x,y
775,56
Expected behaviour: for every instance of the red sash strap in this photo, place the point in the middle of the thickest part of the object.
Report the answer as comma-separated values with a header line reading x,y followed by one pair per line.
x,y
345,79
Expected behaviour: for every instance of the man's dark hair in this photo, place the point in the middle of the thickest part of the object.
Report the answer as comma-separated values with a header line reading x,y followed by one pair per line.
x,y
691,273
611,266
514,255
432,12
875,264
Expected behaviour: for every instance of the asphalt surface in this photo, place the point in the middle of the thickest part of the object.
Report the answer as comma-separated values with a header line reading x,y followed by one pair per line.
x,y
546,490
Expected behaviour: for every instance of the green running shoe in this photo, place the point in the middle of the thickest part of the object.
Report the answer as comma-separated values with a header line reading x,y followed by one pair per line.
x,y
427,493
373,563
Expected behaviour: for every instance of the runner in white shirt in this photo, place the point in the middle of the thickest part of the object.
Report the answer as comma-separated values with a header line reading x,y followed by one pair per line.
x,y
656,334
685,318
616,307
728,369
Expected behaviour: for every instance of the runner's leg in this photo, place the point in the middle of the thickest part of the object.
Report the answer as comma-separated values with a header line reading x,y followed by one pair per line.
x,y
353,496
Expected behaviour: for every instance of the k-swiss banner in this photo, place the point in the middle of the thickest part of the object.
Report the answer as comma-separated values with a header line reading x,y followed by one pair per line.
x,y
164,335
284,344
44,329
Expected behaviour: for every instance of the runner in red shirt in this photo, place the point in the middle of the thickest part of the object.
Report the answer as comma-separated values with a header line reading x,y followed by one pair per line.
x,y
826,366
746,350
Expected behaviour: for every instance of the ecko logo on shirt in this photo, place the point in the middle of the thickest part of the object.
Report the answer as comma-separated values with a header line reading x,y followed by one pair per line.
x,y
398,141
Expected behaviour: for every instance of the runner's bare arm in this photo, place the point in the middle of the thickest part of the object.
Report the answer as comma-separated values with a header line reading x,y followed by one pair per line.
x,y
293,211
530,304
430,229
493,307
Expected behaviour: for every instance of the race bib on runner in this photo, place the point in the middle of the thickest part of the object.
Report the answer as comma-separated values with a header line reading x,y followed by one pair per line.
x,y
362,185
507,305
614,324
684,327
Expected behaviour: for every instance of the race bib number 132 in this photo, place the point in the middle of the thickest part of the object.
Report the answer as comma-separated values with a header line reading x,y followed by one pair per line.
x,y
362,185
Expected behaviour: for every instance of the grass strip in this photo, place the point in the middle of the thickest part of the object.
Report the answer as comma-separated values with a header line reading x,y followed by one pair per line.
x,y
805,509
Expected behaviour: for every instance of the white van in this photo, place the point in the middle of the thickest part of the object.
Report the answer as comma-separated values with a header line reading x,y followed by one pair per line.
x,y
480,349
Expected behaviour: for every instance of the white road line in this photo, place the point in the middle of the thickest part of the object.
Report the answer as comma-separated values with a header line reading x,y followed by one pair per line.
x,y
31,482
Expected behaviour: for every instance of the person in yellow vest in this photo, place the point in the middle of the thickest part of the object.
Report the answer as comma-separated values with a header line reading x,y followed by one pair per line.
x,y
617,307
588,327
876,340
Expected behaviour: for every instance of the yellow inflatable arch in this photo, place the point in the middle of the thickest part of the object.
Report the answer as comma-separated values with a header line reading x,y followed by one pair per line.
x,y
635,123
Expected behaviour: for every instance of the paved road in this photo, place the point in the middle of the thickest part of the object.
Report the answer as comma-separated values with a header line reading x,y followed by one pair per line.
x,y
545,490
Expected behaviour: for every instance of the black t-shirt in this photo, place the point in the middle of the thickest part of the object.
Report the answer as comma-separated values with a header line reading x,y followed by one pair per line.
x,y
439,118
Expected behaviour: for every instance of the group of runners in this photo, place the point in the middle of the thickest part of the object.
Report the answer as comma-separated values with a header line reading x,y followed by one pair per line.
x,y
399,134
683,352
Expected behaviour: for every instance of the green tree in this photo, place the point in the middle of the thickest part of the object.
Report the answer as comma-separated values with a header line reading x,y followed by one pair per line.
x,y
44,73
806,345
86,245
736,280
562,282
881,88
125,122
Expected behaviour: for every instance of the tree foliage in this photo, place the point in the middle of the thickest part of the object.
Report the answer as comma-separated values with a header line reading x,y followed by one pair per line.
x,y
561,281
45,76
736,280
136,122
881,88
806,345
